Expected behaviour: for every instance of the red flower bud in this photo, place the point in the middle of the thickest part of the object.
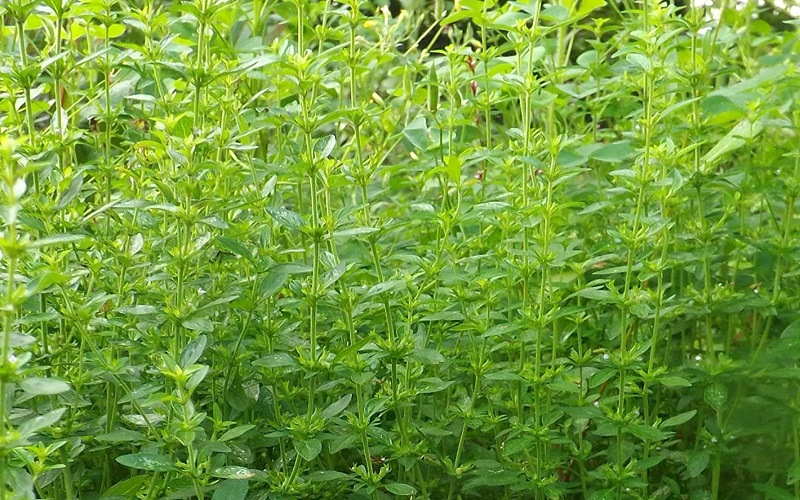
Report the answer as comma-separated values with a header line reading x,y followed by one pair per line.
x,y
471,63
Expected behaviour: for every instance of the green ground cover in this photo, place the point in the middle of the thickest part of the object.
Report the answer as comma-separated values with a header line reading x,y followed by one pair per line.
x,y
316,249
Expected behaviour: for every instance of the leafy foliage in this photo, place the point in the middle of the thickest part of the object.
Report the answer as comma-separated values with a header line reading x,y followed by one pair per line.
x,y
269,249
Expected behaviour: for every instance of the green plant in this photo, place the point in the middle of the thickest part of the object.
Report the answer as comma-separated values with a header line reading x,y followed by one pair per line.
x,y
290,250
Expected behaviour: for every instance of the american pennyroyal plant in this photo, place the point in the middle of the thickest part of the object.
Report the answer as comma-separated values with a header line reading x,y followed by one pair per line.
x,y
319,250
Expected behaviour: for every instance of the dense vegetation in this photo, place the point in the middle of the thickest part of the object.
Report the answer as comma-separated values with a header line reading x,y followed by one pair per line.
x,y
280,250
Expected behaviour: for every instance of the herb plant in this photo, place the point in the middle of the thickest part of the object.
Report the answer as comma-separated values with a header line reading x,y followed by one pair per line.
x,y
322,249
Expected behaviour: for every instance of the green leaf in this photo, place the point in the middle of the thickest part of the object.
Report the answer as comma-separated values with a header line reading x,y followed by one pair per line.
x,y
192,352
741,134
353,349
640,60
71,192
718,104
595,293
454,165
337,407
649,462
286,217
139,310
322,476
127,488
514,446
45,281
768,74
308,448
39,422
555,13
623,172
355,232
215,221
608,494
508,20
716,395
647,433
140,393
616,152
503,376
386,286
430,385
678,419
416,133
234,472
792,331
588,6
401,489
585,412
147,461
276,360
793,475
333,275
234,246
116,30
199,325
601,376
121,436
773,492
672,381
433,431
490,206
640,309
494,478
60,239
272,283
38,386
696,462
458,15
231,489
427,356
323,147
444,316
197,377
236,432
